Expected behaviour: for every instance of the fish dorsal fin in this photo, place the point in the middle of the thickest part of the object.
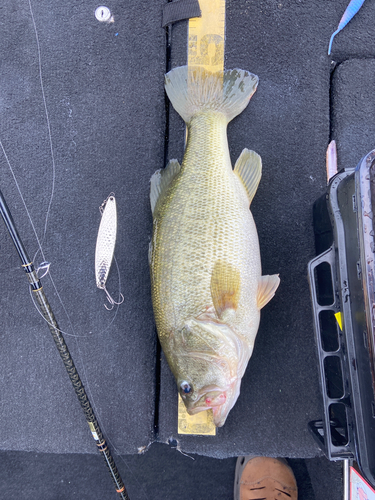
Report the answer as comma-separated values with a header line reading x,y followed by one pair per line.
x,y
249,169
225,288
161,180
267,286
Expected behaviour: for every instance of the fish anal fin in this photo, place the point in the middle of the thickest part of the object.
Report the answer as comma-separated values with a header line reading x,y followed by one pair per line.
x,y
267,287
248,168
161,180
225,289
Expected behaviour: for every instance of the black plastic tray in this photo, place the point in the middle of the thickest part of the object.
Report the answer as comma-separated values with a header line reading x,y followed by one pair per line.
x,y
342,284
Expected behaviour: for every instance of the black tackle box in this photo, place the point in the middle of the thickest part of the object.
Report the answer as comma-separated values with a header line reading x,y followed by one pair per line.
x,y
342,283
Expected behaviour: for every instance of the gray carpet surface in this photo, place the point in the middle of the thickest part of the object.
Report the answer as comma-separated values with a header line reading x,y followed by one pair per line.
x,y
353,125
161,473
103,89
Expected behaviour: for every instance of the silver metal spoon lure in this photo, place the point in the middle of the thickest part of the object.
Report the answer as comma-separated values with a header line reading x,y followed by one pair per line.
x,y
105,247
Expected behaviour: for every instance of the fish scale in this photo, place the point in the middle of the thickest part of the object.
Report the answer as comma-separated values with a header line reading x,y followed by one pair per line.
x,y
204,203
204,256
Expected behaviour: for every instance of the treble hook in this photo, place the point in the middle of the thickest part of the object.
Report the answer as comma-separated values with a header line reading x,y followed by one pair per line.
x,y
112,301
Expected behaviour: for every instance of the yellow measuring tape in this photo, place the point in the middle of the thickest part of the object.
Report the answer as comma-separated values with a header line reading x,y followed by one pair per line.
x,y
206,40
206,36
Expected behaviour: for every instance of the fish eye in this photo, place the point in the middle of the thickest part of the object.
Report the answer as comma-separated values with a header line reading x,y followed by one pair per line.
x,y
185,387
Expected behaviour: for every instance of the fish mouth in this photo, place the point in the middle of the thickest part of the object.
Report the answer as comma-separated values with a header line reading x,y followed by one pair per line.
x,y
209,397
225,361
220,401
220,413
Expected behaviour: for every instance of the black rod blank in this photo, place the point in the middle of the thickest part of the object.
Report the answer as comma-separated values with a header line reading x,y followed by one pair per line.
x,y
48,315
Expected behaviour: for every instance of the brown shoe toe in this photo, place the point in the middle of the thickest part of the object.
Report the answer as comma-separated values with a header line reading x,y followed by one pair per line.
x,y
263,478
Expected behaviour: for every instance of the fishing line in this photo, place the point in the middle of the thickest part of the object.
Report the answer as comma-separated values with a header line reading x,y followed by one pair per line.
x,y
40,249
48,126
41,242
86,379
22,198
49,272
78,336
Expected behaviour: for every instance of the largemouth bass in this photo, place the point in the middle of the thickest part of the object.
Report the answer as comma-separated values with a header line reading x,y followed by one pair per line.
x,y
207,288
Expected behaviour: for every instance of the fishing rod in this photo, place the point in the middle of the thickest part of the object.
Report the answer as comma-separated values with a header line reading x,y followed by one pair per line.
x,y
38,292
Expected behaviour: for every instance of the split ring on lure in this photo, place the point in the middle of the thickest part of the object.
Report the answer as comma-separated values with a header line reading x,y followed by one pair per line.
x,y
105,247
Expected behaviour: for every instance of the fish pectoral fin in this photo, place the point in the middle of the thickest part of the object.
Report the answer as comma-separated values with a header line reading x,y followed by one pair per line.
x,y
267,287
248,168
225,287
161,180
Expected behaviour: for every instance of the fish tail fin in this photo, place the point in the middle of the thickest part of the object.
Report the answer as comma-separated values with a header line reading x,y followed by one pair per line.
x,y
193,90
